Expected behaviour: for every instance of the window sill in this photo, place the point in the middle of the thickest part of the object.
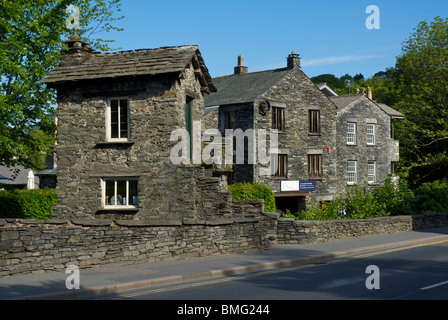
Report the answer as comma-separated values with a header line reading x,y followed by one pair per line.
x,y
314,134
115,142
120,209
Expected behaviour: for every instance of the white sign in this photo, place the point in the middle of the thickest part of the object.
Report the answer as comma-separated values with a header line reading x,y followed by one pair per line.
x,y
289,186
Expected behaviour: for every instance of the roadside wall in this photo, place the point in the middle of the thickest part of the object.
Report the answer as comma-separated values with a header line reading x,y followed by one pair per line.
x,y
38,246
303,232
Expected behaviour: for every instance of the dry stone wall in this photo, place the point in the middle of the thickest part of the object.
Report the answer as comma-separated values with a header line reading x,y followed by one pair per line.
x,y
38,246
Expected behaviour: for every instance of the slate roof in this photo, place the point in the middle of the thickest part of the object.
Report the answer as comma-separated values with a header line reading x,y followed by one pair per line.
x,y
17,175
143,62
245,87
343,101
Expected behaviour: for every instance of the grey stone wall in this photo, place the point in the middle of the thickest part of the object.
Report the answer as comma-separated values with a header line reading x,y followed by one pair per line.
x,y
303,232
30,246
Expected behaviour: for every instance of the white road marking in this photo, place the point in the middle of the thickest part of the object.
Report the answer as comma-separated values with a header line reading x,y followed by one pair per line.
x,y
434,285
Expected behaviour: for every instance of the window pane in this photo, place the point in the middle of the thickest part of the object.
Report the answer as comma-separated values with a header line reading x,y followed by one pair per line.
x,y
121,193
370,133
133,193
110,192
123,118
114,118
278,119
314,121
351,172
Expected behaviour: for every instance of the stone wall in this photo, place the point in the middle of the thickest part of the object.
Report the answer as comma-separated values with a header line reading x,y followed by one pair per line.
x,y
304,232
36,246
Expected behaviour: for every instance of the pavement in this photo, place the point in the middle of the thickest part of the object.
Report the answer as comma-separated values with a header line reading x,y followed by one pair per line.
x,y
114,279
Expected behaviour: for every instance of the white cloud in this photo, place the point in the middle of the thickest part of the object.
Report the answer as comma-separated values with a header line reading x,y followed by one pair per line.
x,y
335,60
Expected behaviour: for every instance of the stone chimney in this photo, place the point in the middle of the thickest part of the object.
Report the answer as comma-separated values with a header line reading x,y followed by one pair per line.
x,y
77,52
241,68
293,60
369,94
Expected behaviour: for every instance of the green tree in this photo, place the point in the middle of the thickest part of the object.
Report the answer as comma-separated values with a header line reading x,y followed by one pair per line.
x,y
421,80
31,38
330,79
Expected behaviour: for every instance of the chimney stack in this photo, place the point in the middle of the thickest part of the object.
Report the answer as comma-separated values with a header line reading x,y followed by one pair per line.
x,y
240,69
293,60
78,51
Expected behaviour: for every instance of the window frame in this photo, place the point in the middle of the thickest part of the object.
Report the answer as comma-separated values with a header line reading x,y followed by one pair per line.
x,y
314,121
369,170
109,137
372,134
104,182
315,162
351,134
279,161
278,122
352,176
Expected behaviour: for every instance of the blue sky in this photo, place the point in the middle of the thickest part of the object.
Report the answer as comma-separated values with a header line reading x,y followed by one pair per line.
x,y
331,36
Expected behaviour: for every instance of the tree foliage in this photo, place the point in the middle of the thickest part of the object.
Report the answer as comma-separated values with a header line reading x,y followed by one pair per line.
x,y
31,38
417,86
421,80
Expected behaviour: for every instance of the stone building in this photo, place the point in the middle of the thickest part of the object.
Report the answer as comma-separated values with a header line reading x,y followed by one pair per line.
x,y
304,165
116,113
326,141
366,147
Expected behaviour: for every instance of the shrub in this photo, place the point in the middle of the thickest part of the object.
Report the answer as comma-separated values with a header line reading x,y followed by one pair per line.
x,y
27,204
432,197
251,191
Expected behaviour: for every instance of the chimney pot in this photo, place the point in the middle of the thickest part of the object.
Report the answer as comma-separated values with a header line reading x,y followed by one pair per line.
x,y
369,93
240,69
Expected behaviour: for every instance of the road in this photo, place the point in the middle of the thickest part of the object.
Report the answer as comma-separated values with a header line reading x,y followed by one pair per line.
x,y
415,272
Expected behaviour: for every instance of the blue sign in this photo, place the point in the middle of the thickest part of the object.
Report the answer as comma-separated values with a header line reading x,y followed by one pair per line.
x,y
307,185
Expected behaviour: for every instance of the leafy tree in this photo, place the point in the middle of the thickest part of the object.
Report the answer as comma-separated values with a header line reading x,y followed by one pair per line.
x,y
421,80
31,38
358,76
330,79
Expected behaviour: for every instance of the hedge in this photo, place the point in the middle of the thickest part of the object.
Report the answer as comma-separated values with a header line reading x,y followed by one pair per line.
x,y
252,191
27,204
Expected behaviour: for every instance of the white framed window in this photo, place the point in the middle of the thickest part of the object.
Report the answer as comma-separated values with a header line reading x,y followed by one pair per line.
x,y
371,171
371,134
351,133
117,119
120,192
351,173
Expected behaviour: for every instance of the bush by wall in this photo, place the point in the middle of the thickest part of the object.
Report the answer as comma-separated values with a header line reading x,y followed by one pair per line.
x,y
432,197
27,204
360,202
252,191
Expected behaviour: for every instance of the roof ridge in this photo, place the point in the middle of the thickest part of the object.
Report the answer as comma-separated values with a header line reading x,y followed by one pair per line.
x,y
254,72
